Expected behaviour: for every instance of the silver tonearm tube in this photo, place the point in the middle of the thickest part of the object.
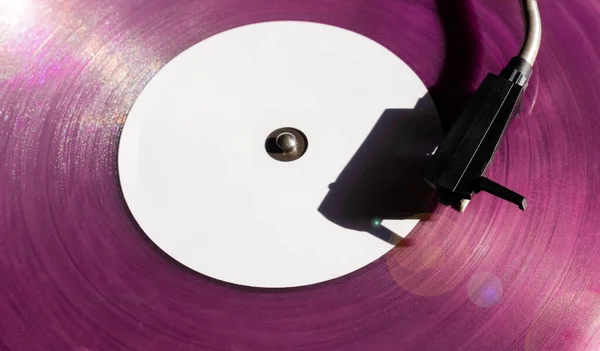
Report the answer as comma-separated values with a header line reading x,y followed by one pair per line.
x,y
533,31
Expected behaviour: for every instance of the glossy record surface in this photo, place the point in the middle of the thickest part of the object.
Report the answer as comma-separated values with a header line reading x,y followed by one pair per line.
x,y
78,274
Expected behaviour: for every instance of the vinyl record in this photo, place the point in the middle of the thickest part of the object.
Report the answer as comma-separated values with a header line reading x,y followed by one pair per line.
x,y
79,273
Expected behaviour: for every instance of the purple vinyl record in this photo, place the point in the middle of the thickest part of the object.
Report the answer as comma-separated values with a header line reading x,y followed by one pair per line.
x,y
78,273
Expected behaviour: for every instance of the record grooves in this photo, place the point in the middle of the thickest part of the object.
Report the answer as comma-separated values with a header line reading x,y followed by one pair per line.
x,y
77,273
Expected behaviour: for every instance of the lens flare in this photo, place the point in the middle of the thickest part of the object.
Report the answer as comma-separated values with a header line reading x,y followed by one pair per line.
x,y
485,289
12,11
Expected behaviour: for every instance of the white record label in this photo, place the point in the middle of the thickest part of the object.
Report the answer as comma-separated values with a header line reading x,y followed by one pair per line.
x,y
196,175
